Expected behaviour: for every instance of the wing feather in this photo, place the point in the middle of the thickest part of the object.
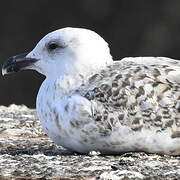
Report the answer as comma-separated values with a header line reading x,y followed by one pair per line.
x,y
138,92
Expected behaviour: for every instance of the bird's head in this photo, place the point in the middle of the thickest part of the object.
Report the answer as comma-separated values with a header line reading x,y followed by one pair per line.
x,y
67,51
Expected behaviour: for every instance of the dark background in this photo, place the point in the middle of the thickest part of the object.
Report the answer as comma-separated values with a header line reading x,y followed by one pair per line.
x,y
131,27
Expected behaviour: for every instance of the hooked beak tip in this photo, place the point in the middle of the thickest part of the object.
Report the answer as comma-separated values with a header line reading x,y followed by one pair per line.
x,y
17,63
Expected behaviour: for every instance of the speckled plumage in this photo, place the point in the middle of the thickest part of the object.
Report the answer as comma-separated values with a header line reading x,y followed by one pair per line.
x,y
88,102
139,95
128,106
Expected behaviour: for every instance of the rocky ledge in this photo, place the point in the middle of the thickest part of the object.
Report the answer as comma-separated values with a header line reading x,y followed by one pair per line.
x,y
27,153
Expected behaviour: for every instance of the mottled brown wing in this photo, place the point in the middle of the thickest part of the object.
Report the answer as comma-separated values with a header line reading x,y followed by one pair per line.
x,y
136,93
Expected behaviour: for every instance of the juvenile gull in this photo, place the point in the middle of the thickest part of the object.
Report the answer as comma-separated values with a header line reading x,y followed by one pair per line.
x,y
88,102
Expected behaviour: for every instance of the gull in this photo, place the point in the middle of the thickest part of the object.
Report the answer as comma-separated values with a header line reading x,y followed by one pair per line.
x,y
88,102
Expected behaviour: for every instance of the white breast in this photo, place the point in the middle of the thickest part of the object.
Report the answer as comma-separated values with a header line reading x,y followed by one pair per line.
x,y
50,110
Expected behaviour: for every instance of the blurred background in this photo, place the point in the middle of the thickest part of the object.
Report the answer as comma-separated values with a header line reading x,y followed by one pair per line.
x,y
132,28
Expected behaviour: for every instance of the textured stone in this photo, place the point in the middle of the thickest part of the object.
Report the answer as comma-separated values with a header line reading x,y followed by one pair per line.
x,y
27,153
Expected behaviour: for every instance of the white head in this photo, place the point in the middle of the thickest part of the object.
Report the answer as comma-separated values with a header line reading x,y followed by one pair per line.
x,y
67,51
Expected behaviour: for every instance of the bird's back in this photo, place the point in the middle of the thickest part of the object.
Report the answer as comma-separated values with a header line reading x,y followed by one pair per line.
x,y
142,94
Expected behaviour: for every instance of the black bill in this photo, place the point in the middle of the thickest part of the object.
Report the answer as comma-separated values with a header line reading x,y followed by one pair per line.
x,y
17,63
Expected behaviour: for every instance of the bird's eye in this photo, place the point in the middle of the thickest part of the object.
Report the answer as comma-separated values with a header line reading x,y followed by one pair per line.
x,y
52,46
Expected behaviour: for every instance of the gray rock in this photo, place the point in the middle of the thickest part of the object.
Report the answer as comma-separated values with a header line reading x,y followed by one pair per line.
x,y
27,153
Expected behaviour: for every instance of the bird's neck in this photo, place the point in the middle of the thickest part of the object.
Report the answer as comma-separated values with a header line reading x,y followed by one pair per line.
x,y
73,78
64,85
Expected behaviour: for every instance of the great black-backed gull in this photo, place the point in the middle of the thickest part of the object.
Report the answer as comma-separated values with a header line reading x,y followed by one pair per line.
x,y
88,102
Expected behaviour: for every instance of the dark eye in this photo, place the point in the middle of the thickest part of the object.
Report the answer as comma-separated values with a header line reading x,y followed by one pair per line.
x,y
52,46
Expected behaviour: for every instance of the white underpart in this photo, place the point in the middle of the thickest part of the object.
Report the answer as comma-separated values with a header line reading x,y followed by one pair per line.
x,y
84,54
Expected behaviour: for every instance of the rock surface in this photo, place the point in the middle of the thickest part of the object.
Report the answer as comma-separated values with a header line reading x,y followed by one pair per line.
x,y
27,153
